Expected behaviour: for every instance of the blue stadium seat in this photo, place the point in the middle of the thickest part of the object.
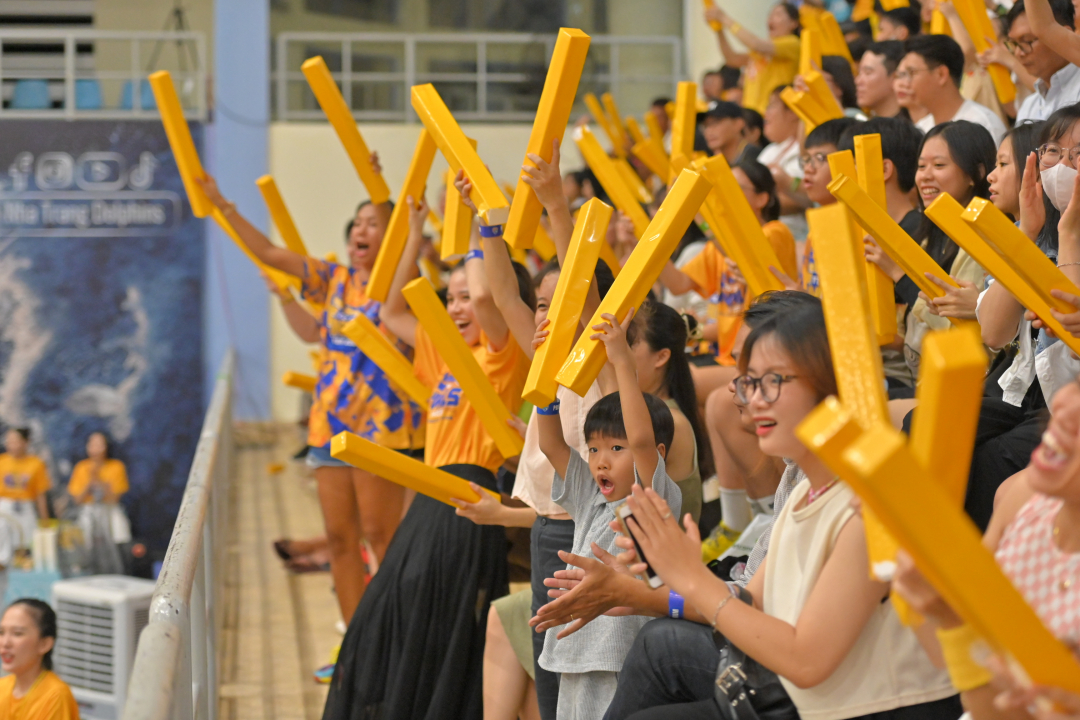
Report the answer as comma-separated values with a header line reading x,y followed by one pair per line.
x,y
88,95
146,98
31,95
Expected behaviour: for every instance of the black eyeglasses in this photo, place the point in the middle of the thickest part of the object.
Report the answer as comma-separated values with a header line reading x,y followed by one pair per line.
x,y
769,384
816,160
1024,46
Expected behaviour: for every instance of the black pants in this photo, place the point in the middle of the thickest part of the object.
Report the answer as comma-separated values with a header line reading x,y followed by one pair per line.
x,y
1004,440
947,709
547,539
671,662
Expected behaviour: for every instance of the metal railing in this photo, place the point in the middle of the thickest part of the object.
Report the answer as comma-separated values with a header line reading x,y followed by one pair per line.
x,y
79,64
476,66
175,672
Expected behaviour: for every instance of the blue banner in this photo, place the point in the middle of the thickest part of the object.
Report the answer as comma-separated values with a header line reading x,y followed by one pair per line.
x,y
101,267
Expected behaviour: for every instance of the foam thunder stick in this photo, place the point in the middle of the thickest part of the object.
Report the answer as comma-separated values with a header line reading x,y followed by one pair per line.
x,y
612,110
648,150
490,202
341,119
183,147
977,23
632,180
855,353
639,273
716,25
904,251
575,279
552,115
653,126
610,178
1010,242
809,51
947,215
740,235
944,543
543,244
952,370
457,225
832,38
300,381
819,90
601,118
280,215
683,124
459,358
403,470
871,171
435,221
366,335
397,230
607,254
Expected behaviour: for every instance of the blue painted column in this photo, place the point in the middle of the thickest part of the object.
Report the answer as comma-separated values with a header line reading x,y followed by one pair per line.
x,y
236,308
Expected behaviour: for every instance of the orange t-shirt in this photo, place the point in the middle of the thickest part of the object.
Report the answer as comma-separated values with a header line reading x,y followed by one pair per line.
x,y
809,279
728,297
23,478
49,699
112,473
455,434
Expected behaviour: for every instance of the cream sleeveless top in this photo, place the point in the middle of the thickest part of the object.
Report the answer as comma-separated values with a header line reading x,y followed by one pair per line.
x,y
887,668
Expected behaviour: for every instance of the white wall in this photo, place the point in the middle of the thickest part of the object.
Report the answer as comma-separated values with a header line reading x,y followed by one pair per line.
x,y
702,51
321,189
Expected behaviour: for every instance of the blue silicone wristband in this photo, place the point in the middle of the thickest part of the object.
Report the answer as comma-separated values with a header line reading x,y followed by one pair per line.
x,y
675,605
552,409
491,231
474,255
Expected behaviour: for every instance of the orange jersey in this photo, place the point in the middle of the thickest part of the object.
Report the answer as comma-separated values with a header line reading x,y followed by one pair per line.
x,y
49,699
23,478
111,473
455,434
353,393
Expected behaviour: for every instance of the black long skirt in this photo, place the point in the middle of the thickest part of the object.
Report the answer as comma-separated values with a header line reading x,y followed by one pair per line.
x,y
415,646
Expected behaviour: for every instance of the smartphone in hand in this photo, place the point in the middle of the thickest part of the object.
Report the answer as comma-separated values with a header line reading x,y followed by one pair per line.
x,y
624,513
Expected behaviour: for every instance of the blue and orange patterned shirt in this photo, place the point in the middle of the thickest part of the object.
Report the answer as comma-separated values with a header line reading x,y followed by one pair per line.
x,y
352,393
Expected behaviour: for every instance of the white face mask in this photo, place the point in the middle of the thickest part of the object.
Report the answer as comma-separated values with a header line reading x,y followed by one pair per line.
x,y
1058,183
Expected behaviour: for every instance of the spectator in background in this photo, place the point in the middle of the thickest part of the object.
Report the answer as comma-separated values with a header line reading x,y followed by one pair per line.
x,y
1057,81
753,133
25,480
837,73
781,156
899,24
932,70
722,126
97,484
712,86
731,78
874,83
771,61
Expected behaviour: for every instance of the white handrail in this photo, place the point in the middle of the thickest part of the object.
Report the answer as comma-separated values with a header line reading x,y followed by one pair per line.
x,y
175,672
287,69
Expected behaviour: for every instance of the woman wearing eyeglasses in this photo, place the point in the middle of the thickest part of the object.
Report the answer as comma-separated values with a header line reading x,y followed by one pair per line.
x,y
810,614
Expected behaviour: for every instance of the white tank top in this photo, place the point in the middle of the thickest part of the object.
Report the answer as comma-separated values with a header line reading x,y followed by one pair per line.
x,y
887,668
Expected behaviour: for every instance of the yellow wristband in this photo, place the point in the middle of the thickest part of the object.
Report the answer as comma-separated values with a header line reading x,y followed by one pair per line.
x,y
956,644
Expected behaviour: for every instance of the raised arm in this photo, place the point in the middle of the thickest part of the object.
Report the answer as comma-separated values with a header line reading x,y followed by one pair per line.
x,y
1059,38
302,322
546,181
276,257
960,33
731,56
747,38
500,282
395,312
552,441
636,417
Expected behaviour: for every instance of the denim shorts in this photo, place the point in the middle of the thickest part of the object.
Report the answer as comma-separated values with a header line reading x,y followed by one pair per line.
x,y
318,457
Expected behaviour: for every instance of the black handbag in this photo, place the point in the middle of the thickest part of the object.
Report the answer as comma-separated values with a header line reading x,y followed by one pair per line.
x,y
746,689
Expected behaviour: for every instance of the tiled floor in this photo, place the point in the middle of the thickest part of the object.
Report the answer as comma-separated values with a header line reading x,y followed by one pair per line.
x,y
279,627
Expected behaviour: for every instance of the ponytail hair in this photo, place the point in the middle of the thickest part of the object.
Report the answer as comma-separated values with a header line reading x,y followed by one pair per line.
x,y
662,327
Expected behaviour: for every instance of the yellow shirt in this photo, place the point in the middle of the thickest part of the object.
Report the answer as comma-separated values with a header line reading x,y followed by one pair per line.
x,y
23,478
112,473
455,434
727,296
49,699
763,73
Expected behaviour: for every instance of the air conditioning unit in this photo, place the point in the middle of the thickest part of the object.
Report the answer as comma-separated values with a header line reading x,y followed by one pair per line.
x,y
99,620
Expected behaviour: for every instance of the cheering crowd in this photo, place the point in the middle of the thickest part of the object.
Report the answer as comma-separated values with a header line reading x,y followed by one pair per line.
x,y
755,601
